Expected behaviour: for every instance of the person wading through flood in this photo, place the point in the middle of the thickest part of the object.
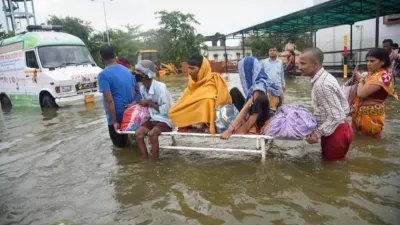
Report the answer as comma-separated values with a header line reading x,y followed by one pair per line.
x,y
368,110
118,87
157,97
330,107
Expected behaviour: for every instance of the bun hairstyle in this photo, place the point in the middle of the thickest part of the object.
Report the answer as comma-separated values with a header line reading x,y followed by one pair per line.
x,y
380,54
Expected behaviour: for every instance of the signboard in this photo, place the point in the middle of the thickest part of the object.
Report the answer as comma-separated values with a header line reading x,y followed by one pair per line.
x,y
12,62
11,48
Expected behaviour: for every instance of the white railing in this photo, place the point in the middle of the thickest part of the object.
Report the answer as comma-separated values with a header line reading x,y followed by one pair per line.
x,y
261,145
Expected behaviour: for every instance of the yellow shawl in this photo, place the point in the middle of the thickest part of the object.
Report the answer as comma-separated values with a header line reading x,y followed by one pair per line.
x,y
200,99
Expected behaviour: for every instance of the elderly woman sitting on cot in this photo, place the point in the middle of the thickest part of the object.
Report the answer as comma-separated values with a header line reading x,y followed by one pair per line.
x,y
261,102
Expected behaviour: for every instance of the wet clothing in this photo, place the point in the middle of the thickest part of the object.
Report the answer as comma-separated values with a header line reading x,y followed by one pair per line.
x,y
119,140
329,103
163,127
330,109
158,93
253,78
369,119
119,80
336,145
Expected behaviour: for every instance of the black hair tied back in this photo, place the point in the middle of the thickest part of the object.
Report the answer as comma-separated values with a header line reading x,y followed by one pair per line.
x,y
380,54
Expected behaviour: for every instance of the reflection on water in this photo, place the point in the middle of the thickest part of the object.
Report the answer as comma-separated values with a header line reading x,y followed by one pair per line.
x,y
58,165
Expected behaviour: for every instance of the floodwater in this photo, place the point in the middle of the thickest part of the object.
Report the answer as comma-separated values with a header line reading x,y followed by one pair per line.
x,y
60,166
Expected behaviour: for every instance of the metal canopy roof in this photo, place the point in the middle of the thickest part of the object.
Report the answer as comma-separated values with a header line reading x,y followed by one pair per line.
x,y
329,14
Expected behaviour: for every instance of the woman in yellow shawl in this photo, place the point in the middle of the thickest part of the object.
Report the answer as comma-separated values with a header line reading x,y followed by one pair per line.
x,y
196,109
368,110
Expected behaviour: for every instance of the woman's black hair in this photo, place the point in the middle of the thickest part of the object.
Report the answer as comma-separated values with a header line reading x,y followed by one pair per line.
x,y
292,53
195,61
380,54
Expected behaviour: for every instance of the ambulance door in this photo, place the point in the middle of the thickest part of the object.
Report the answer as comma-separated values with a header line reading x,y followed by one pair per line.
x,y
32,84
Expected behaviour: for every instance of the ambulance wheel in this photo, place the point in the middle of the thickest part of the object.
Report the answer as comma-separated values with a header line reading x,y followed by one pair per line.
x,y
47,101
5,102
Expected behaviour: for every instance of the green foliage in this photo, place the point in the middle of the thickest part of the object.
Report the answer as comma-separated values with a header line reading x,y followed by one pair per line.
x,y
175,40
260,45
125,41
4,35
73,25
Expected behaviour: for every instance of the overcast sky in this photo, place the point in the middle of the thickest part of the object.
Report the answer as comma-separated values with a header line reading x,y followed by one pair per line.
x,y
224,16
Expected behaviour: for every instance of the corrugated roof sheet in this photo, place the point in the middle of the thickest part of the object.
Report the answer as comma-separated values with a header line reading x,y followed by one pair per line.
x,y
329,14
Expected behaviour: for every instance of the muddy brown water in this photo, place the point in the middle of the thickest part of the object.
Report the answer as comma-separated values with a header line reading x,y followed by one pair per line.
x,y
60,166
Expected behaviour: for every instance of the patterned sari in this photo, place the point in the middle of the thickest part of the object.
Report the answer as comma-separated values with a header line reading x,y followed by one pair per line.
x,y
369,119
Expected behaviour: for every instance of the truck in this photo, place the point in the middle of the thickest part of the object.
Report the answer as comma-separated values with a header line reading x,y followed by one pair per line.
x,y
149,54
153,55
44,67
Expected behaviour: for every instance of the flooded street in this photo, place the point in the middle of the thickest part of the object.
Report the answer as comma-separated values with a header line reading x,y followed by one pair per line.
x,y
60,166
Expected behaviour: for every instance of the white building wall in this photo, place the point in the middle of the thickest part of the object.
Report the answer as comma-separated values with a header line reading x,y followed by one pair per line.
x,y
332,39
232,54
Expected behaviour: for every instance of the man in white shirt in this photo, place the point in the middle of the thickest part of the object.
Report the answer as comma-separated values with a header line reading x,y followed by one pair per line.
x,y
273,67
330,107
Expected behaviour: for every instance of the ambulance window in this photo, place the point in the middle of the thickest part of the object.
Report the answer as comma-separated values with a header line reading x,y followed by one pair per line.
x,y
31,61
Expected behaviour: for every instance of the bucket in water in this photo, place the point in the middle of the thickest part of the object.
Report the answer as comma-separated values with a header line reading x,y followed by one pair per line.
x,y
89,98
226,114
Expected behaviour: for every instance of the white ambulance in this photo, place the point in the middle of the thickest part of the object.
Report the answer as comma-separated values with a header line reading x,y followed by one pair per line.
x,y
45,67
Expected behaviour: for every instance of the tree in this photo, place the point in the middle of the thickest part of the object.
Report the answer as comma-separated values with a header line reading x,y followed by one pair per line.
x,y
176,39
151,39
4,35
126,42
74,26
260,45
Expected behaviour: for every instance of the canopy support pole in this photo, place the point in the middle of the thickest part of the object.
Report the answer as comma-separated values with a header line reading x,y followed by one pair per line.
x,y
315,38
243,45
226,57
351,42
378,9
311,29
